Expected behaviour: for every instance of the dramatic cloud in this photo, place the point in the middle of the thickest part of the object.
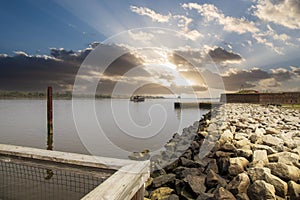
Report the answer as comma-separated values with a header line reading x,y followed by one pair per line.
x,y
199,58
220,55
296,70
281,74
35,72
231,24
150,13
282,12
259,79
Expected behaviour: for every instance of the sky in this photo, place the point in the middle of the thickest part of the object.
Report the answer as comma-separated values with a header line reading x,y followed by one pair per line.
x,y
168,47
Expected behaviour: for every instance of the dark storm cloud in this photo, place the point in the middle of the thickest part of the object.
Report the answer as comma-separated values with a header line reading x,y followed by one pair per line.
x,y
198,58
220,55
282,74
123,64
244,79
35,73
24,72
296,70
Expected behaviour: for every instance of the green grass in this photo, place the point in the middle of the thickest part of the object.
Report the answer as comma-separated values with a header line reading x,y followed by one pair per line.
x,y
295,106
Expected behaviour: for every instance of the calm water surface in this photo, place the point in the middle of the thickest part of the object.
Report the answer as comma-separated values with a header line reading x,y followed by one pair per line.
x,y
114,128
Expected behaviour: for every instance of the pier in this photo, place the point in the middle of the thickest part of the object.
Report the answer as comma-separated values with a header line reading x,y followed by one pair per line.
x,y
75,175
200,105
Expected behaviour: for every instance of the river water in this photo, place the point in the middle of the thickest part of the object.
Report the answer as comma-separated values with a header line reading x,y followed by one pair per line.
x,y
113,128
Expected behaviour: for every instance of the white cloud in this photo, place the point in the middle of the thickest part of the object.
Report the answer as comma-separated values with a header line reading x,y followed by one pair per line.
x,y
183,22
194,35
283,37
231,24
283,12
260,38
3,55
150,13
266,83
140,35
21,53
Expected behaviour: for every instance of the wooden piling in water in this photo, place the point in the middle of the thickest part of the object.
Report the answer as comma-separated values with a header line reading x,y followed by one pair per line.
x,y
49,115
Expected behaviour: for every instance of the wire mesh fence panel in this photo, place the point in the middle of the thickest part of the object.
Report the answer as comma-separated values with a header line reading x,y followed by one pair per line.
x,y
30,180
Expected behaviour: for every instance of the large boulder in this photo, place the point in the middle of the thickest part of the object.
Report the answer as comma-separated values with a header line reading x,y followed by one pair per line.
x,y
239,184
260,158
213,179
226,136
163,179
273,131
294,190
272,140
280,186
287,158
237,165
269,150
261,190
285,172
196,183
257,173
223,194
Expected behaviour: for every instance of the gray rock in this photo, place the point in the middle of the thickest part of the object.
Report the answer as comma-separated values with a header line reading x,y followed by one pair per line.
x,y
223,194
280,186
273,131
226,136
213,179
285,172
272,140
286,158
189,163
242,143
240,136
163,179
257,173
260,158
212,165
182,172
228,147
237,165
239,184
293,190
196,183
261,190
269,150
246,153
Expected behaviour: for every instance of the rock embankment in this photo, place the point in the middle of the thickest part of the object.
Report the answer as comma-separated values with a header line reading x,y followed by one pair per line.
x,y
237,151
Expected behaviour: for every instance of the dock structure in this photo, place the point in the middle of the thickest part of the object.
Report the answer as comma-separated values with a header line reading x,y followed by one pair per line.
x,y
120,179
201,105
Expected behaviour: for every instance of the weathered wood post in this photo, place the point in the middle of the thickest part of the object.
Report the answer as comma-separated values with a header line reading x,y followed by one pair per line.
x,y
49,119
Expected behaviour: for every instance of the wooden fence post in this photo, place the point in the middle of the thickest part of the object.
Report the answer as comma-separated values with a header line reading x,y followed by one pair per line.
x,y
49,119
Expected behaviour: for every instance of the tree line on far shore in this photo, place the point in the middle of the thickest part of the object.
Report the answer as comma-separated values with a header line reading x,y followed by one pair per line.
x,y
56,95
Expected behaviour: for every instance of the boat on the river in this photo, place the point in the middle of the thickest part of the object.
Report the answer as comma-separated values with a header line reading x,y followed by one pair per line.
x,y
137,98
